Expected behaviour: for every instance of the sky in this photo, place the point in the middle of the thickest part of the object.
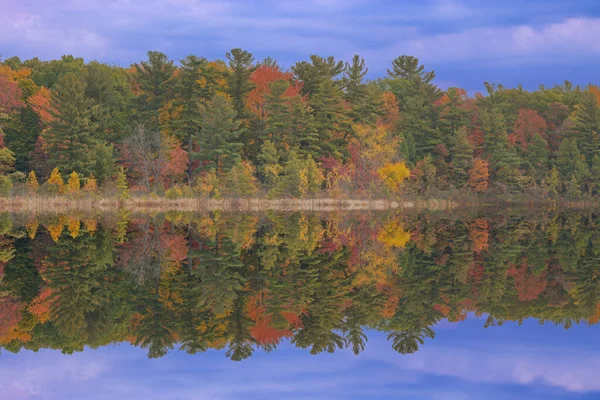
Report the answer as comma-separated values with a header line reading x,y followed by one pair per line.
x,y
465,361
466,42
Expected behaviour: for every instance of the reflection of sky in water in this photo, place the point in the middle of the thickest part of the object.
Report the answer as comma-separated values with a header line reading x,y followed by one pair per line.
x,y
464,361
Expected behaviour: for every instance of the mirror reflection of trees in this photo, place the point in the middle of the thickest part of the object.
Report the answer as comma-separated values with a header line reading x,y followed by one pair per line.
x,y
247,282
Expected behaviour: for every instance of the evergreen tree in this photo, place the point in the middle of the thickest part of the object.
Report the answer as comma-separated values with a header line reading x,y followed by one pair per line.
x,y
331,119
587,125
70,138
217,141
462,158
538,158
240,69
314,73
155,78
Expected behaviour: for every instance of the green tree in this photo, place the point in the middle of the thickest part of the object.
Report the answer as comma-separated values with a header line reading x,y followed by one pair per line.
x,y
71,137
155,78
240,68
217,141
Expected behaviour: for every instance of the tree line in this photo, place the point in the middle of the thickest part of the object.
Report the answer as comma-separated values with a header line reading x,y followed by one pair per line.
x,y
247,282
240,126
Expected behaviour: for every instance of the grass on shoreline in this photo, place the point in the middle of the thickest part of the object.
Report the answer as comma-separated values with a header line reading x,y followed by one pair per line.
x,y
37,204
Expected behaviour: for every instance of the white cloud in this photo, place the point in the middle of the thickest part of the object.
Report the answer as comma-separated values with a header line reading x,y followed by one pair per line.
x,y
520,44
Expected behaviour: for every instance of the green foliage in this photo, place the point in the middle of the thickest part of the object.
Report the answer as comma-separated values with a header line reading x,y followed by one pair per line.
x,y
121,183
300,178
218,138
71,137
5,186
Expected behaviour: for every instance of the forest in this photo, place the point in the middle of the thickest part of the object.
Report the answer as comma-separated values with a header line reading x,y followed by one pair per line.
x,y
240,127
247,282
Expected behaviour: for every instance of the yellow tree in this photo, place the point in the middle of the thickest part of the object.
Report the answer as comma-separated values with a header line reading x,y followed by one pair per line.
x,y
32,182
91,186
55,182
73,183
370,148
393,174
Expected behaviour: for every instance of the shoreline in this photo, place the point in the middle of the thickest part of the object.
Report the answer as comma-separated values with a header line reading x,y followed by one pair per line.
x,y
62,203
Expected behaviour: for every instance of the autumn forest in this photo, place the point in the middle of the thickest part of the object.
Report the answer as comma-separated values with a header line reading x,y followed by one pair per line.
x,y
248,282
241,127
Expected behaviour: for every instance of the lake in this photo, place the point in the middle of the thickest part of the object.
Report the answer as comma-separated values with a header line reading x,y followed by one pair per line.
x,y
356,305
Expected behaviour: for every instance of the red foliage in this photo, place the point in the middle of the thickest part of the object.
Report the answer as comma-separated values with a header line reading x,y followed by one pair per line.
x,y
10,316
176,169
528,124
262,77
40,103
177,244
10,95
264,333
528,286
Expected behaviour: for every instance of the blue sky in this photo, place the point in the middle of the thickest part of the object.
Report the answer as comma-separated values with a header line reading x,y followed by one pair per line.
x,y
465,41
465,361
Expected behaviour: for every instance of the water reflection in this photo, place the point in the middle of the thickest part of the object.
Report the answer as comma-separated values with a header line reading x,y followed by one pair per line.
x,y
246,282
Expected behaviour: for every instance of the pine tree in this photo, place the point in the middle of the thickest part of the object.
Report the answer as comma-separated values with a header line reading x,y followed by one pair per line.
x,y
572,188
553,180
121,183
218,140
538,158
587,125
70,137
240,69
331,119
570,162
462,158
155,78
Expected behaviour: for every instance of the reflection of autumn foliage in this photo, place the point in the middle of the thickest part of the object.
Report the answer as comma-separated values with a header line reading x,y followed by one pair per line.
x,y
479,233
32,227
393,235
528,285
55,228
10,316
40,307
243,282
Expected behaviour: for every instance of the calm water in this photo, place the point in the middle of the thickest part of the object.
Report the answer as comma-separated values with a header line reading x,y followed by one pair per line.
x,y
182,306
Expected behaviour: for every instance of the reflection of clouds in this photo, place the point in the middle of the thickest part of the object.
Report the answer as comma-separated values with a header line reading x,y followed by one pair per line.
x,y
438,371
34,373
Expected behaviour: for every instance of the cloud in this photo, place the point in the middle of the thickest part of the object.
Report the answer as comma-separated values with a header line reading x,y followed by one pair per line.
x,y
32,377
570,369
569,40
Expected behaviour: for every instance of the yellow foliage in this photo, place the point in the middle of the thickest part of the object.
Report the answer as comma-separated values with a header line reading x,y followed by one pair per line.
x,y
393,174
73,226
55,182
32,227
91,186
73,183
393,235
55,230
32,182
91,225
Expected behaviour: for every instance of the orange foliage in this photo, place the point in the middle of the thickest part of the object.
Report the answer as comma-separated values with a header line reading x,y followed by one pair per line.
x,y
479,231
41,306
479,176
40,103
262,77
528,124
264,333
528,286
